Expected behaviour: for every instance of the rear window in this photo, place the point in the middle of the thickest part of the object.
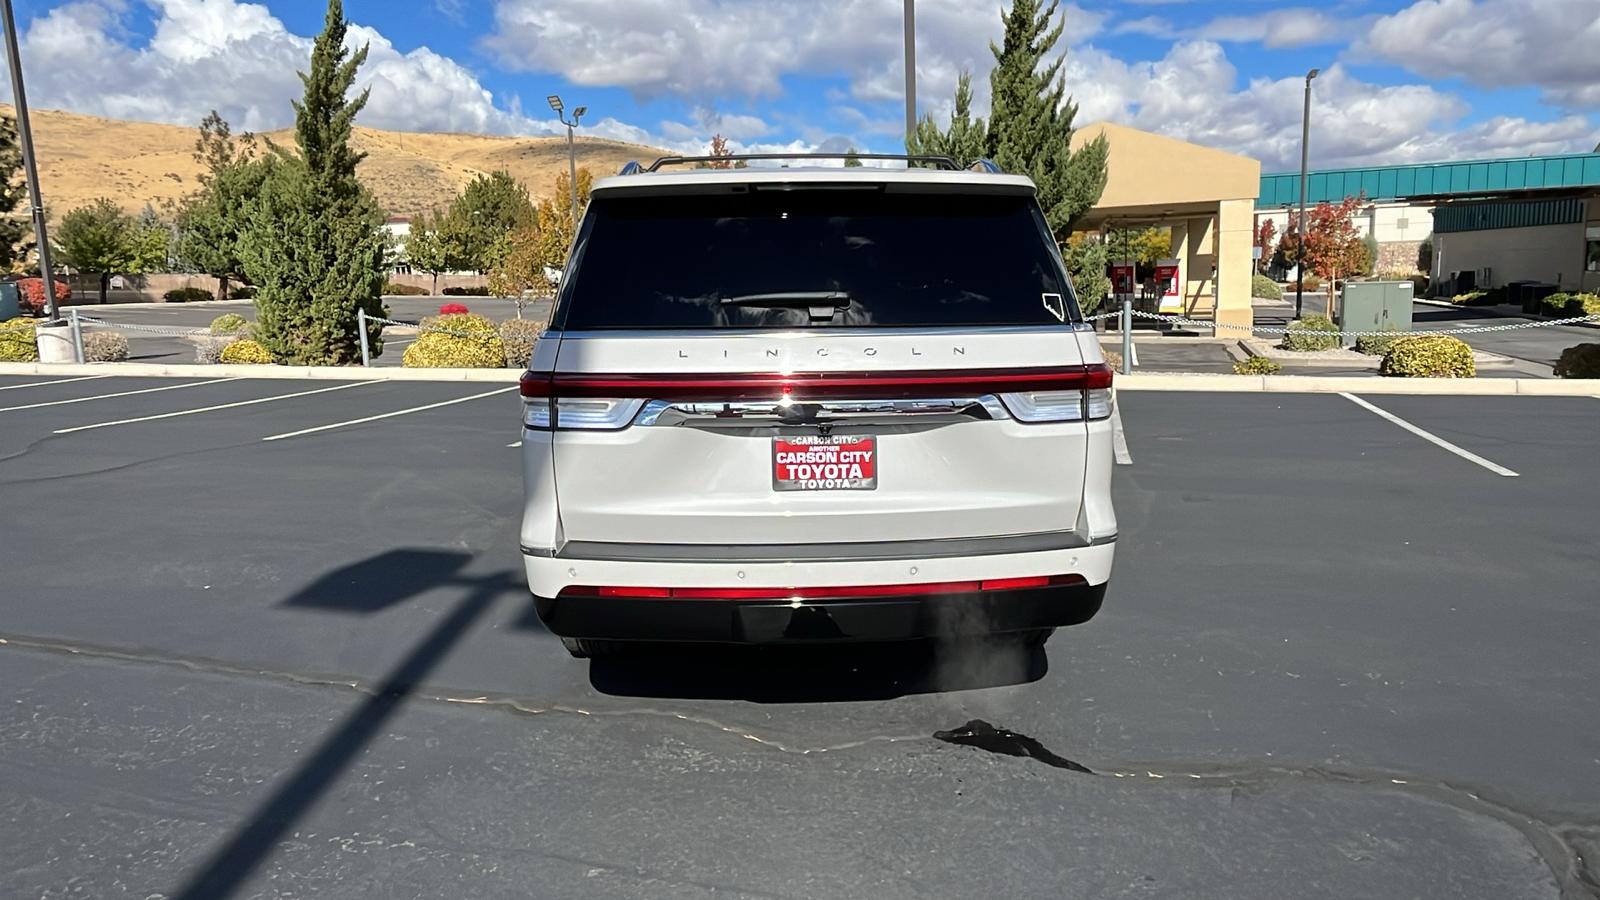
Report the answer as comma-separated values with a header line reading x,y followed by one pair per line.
x,y
750,260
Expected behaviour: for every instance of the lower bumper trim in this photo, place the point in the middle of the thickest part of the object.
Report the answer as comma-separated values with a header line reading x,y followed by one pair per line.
x,y
823,621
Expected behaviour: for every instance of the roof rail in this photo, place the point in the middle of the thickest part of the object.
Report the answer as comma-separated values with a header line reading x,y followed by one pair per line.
x,y
987,166
943,162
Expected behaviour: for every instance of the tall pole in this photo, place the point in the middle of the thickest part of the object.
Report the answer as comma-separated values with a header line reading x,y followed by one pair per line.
x,y
29,164
572,174
911,69
1300,245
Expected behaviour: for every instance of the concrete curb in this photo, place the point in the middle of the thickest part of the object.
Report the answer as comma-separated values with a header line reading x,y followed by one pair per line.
x,y
1360,384
330,373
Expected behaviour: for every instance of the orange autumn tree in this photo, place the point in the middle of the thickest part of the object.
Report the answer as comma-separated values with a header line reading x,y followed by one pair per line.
x,y
1332,243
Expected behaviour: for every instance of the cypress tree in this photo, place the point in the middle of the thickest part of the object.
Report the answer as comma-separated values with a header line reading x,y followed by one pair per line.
x,y
315,249
1030,118
963,141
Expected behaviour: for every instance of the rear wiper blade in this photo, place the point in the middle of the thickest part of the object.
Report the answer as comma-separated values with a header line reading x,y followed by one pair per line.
x,y
821,304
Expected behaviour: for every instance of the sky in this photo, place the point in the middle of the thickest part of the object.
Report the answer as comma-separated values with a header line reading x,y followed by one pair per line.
x,y
1401,81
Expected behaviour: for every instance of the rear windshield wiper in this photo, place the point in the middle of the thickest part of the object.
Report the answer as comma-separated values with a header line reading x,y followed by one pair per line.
x,y
821,304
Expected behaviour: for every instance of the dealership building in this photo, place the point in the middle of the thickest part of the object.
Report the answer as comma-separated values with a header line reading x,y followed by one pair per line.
x,y
1493,222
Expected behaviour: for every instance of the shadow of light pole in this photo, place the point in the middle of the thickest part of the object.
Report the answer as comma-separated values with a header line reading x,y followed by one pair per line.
x,y
365,587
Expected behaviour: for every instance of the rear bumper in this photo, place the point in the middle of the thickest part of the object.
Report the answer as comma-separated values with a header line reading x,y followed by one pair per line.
x,y
856,619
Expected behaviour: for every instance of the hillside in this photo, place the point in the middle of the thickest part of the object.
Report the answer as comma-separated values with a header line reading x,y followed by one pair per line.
x,y
134,163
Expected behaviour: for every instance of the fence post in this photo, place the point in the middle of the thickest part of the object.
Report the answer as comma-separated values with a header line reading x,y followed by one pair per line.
x,y
77,333
1127,333
361,325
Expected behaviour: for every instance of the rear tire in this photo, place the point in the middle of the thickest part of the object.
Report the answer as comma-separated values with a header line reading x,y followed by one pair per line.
x,y
586,648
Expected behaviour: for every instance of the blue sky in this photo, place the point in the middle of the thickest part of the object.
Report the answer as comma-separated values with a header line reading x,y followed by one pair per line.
x,y
1403,81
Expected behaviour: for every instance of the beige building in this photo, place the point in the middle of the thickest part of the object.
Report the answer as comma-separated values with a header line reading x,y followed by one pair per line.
x,y
1207,197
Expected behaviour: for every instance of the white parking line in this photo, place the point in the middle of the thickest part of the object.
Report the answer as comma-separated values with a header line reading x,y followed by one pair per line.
x,y
170,387
388,415
1432,438
12,387
190,412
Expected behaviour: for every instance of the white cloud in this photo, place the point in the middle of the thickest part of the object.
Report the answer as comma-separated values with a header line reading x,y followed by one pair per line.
x,y
1150,26
1550,44
1192,94
705,50
1278,28
241,60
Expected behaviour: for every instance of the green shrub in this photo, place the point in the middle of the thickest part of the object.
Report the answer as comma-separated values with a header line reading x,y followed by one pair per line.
x,y
1378,344
1467,298
518,336
1256,365
17,341
1582,361
482,291
1591,303
242,292
1264,287
229,323
479,347
1308,342
1567,306
246,353
104,346
1428,356
403,290
186,295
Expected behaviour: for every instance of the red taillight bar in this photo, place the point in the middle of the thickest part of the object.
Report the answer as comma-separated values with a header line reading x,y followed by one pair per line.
x,y
827,593
817,385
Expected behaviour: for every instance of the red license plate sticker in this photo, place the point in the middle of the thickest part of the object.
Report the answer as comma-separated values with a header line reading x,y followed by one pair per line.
x,y
825,463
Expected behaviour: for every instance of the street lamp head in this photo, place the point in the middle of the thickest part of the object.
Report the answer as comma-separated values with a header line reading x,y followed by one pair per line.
x,y
555,102
1312,74
578,113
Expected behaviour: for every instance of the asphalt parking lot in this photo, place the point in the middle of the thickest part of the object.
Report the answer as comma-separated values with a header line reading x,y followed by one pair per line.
x,y
1338,659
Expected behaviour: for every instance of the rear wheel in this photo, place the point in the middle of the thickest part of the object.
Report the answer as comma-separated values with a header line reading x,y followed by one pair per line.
x,y
587,648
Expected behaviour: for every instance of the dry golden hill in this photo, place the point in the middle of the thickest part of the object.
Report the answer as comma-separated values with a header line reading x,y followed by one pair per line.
x,y
134,163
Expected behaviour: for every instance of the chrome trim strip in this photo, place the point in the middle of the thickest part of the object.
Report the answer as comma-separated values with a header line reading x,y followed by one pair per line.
x,y
608,551
839,331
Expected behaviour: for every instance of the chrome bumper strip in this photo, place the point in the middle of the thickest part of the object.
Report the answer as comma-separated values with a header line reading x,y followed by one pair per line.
x,y
607,551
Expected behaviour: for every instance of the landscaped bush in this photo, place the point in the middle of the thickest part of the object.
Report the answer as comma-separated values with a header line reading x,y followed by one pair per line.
x,y
475,345
30,294
1467,299
453,309
403,290
1582,361
518,336
1114,359
187,295
1307,342
1429,356
246,353
1262,286
242,292
208,349
17,341
1313,283
482,291
1378,344
104,346
1566,306
1256,365
229,323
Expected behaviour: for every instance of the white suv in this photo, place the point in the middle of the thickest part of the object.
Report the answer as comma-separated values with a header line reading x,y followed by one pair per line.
x,y
815,404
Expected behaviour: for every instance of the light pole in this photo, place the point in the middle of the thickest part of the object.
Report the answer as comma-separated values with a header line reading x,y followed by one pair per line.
x,y
572,153
29,164
1300,245
911,69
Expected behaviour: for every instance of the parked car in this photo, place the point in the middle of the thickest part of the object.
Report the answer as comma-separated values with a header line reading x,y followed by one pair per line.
x,y
815,404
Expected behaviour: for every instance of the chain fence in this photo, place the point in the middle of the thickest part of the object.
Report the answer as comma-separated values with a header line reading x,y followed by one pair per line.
x,y
1265,329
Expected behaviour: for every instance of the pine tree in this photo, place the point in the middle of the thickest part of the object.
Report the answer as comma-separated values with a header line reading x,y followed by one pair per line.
x,y
963,141
1030,118
315,249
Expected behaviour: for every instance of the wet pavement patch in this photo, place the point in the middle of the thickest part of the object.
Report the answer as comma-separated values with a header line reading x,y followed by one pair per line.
x,y
980,734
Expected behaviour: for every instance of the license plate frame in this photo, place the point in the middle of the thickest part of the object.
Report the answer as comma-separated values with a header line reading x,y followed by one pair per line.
x,y
796,458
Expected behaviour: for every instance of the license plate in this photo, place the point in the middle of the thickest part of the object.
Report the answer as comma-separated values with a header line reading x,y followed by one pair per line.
x,y
825,463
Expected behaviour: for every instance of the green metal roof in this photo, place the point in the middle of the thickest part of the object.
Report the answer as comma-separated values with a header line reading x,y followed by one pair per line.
x,y
1435,181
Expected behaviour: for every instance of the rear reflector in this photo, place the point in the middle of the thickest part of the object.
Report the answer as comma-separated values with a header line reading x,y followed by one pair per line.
x,y
817,385
827,593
